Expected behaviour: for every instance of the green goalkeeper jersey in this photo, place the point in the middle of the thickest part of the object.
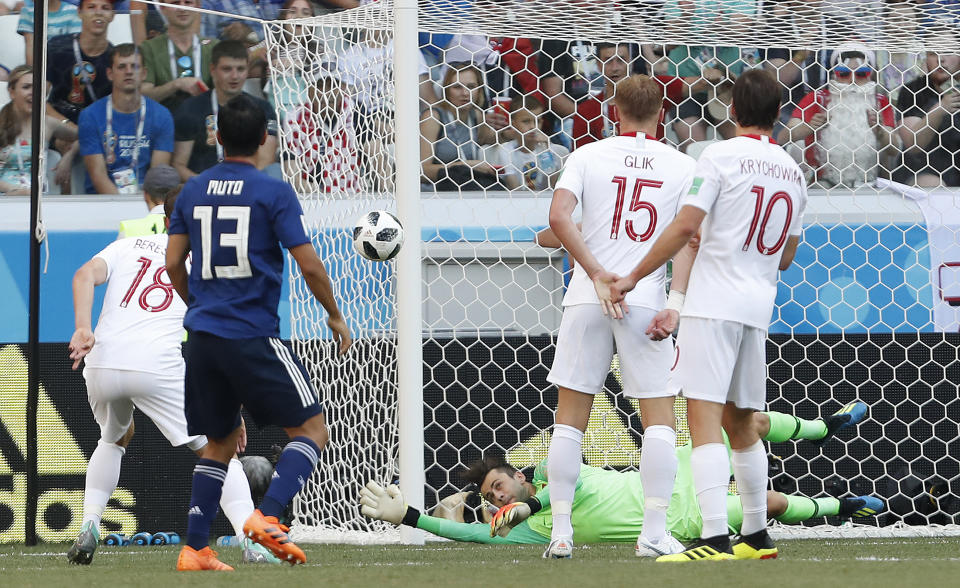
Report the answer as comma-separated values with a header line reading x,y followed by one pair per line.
x,y
607,508
608,505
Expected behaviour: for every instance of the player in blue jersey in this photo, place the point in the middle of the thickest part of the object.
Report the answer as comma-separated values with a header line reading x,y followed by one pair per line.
x,y
235,220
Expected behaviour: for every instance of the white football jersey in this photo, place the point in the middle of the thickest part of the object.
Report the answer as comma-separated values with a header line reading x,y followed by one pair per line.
x,y
141,323
754,195
629,187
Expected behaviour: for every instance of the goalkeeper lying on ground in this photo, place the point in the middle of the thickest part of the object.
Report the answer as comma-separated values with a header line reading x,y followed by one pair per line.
x,y
608,505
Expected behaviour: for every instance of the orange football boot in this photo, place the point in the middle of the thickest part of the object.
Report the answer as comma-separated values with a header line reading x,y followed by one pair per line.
x,y
191,560
268,531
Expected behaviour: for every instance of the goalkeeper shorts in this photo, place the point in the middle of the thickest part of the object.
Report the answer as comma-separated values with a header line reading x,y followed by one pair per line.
x,y
586,344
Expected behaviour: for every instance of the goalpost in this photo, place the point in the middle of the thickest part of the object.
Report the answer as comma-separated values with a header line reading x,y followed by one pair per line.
x,y
454,338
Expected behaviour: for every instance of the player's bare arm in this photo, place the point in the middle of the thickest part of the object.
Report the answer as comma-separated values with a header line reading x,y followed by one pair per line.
x,y
683,228
315,274
666,321
788,252
561,222
91,274
178,246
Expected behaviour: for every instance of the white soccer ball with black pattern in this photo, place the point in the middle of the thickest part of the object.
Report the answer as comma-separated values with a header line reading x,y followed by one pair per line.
x,y
378,235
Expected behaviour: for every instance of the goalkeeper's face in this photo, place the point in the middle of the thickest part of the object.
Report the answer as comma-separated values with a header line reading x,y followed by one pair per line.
x,y
500,488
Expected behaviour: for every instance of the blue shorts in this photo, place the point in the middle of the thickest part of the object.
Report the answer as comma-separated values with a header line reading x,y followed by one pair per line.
x,y
261,374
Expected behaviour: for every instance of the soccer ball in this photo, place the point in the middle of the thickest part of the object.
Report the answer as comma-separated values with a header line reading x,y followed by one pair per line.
x,y
378,236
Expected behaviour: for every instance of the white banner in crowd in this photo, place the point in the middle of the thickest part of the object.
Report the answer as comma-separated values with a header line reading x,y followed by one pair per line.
x,y
941,211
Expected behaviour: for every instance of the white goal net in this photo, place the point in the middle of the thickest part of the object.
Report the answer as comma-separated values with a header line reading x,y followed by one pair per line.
x,y
507,89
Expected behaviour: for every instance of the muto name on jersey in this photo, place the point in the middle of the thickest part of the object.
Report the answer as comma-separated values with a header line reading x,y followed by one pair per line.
x,y
225,187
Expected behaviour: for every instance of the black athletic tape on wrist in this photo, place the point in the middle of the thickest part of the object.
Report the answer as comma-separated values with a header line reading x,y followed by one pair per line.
x,y
411,517
534,503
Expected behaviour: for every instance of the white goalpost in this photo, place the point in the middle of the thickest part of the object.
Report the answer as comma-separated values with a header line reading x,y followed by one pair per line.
x,y
393,106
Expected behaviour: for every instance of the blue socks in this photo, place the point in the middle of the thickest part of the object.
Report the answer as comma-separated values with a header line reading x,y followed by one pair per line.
x,y
208,477
297,462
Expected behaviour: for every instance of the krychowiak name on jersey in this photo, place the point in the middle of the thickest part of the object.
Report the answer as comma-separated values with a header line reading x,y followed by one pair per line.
x,y
754,195
141,322
629,188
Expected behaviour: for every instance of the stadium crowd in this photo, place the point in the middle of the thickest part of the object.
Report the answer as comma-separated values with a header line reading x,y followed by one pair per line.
x,y
496,113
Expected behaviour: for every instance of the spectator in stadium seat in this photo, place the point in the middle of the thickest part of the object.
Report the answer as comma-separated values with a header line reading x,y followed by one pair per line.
x,y
707,70
124,134
365,69
15,134
237,29
930,129
452,132
77,64
528,160
596,116
848,127
832,22
323,154
178,62
62,19
570,72
196,147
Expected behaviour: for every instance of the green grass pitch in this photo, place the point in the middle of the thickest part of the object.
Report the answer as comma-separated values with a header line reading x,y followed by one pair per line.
x,y
826,563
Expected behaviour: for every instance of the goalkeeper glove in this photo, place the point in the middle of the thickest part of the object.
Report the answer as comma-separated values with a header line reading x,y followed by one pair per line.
x,y
383,504
508,517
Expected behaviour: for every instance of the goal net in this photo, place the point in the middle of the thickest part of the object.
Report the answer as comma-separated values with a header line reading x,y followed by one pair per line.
x,y
507,90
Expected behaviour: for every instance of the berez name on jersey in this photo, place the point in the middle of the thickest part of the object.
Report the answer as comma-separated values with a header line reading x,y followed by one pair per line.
x,y
151,246
773,170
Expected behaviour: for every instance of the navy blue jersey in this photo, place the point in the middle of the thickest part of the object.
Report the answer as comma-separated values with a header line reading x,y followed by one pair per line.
x,y
237,218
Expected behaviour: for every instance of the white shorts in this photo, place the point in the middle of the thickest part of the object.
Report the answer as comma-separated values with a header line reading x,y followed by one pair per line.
x,y
721,361
113,394
586,344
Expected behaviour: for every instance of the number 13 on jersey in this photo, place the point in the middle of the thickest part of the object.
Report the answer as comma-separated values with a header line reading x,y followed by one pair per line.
x,y
239,241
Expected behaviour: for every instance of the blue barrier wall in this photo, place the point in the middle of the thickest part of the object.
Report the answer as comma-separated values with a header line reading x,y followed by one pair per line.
x,y
69,250
846,278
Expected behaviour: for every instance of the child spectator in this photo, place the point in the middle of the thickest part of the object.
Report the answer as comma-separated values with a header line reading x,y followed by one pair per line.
x,y
528,161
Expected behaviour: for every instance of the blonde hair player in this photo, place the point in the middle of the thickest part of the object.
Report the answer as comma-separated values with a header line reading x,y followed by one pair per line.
x,y
626,185
752,195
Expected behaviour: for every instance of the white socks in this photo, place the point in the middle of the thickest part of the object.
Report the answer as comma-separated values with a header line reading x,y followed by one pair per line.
x,y
750,471
658,471
235,501
563,469
103,473
711,478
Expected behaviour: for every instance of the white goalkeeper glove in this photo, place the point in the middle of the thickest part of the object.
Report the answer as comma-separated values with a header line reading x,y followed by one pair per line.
x,y
382,504
508,517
